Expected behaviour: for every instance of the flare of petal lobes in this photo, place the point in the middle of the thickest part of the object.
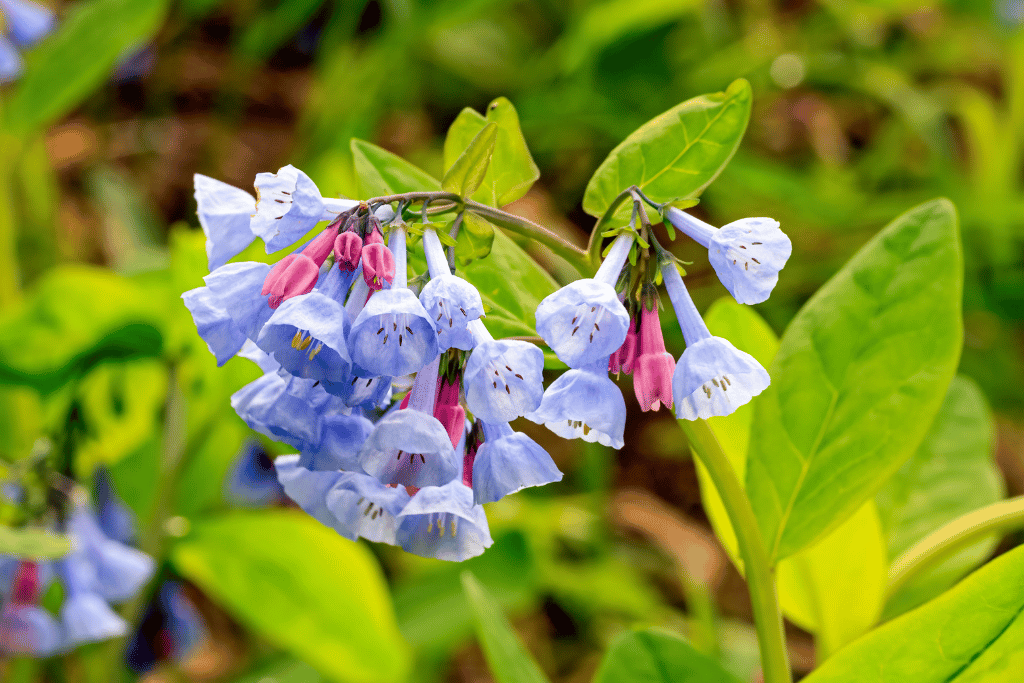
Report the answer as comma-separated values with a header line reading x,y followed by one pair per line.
x,y
214,323
360,389
285,408
452,303
261,358
348,249
343,436
520,380
237,289
584,404
252,481
652,380
121,571
28,630
698,385
507,462
87,618
380,341
11,63
747,255
307,337
26,21
224,214
410,448
364,507
624,359
378,266
582,322
443,522
308,488
288,206
293,275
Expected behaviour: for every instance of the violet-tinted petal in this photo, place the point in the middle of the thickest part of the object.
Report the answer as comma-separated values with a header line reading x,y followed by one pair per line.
x,y
503,380
582,322
507,462
224,214
411,448
443,522
713,377
584,404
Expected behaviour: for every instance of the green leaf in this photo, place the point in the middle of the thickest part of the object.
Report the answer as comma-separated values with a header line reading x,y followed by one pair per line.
x,y
33,544
507,659
512,171
860,374
972,633
79,57
510,303
475,239
674,155
271,29
929,491
382,173
302,586
653,655
467,173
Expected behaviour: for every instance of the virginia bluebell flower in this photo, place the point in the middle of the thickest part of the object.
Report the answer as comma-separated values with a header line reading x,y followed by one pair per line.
x,y
289,205
308,488
237,288
121,571
307,337
116,519
712,376
342,437
252,480
26,22
363,507
25,627
169,629
215,323
393,335
585,320
507,462
746,254
85,615
503,379
584,404
451,302
443,522
224,214
624,358
653,368
285,408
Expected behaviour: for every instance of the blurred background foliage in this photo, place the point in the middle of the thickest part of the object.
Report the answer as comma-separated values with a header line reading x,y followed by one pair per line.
x,y
861,110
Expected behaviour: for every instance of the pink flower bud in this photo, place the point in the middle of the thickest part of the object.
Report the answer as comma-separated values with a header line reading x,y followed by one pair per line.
x,y
348,248
625,357
25,587
293,275
320,247
378,265
653,368
448,411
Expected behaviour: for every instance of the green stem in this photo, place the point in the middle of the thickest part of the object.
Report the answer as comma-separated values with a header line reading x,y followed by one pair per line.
x,y
760,580
962,531
594,245
527,228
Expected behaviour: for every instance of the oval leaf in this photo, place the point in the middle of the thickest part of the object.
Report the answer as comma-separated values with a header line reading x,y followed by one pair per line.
x,y
467,173
33,544
859,376
382,173
302,586
655,656
677,154
972,633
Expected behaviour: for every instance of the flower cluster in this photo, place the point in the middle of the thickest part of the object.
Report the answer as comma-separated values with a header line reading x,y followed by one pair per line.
x,y
398,403
25,22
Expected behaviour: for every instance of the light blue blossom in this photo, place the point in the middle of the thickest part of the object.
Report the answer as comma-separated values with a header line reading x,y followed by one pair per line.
x,y
224,214
252,481
507,462
363,507
116,520
306,334
503,379
342,437
585,320
411,448
121,571
285,408
28,630
451,302
237,288
746,254
215,324
712,376
85,615
289,205
443,522
308,488
584,404
26,22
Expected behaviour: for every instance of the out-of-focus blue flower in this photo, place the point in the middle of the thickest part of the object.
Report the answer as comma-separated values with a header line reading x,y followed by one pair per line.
x,y
411,448
746,254
121,571
451,302
307,337
116,519
503,379
584,404
585,320
252,480
26,628
507,462
342,437
169,629
25,22
712,376
224,214
85,615
443,522
289,205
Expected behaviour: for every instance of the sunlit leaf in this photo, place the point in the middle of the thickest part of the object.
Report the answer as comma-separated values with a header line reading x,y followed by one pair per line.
x,y
466,173
33,544
475,239
382,173
656,656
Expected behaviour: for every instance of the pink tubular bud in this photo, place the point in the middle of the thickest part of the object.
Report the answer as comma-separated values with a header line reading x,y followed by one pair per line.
x,y
448,411
320,247
293,275
652,371
25,587
378,265
348,249
467,463
374,237
625,357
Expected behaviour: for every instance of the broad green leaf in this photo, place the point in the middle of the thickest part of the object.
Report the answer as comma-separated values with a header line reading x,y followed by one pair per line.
x,y
507,659
33,544
382,173
303,587
79,57
512,171
282,670
77,317
676,154
834,588
466,174
653,655
511,302
860,374
973,633
475,239
931,490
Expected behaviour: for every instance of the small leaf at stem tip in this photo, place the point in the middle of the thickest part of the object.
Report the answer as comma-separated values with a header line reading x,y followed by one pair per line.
x,y
33,544
468,171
